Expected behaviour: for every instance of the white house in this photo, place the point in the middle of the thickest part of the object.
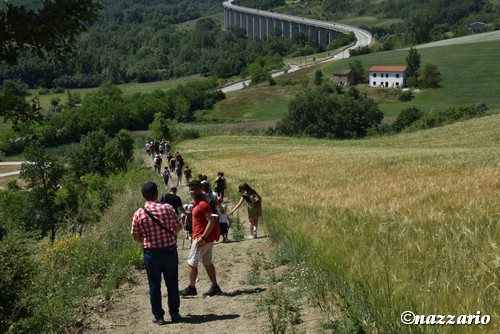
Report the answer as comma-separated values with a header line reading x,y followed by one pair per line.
x,y
387,76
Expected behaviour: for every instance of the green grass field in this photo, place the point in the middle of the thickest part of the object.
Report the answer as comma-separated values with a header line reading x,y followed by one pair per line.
x,y
407,222
468,65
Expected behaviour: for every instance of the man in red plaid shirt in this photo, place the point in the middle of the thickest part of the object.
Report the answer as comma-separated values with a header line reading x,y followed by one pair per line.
x,y
160,250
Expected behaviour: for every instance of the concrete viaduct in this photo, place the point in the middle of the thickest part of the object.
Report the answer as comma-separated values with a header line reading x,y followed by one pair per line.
x,y
259,23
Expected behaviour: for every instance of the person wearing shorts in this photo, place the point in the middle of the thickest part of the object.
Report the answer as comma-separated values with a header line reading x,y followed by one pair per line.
x,y
203,223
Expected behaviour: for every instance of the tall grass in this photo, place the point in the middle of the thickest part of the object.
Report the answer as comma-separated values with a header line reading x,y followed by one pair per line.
x,y
409,222
78,266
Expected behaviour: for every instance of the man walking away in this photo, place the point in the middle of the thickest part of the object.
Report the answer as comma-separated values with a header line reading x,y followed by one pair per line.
x,y
174,200
160,251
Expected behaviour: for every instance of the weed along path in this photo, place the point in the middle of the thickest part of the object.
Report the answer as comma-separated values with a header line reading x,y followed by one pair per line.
x,y
246,276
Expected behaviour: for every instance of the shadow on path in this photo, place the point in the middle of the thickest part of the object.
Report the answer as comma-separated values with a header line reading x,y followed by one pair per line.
x,y
200,319
243,292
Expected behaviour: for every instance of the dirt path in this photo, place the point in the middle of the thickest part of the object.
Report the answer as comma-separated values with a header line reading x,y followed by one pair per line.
x,y
234,312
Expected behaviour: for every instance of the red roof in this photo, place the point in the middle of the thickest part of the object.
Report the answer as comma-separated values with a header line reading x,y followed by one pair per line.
x,y
388,69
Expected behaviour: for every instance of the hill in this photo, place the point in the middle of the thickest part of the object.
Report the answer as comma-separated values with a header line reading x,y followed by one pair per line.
x,y
381,225
461,85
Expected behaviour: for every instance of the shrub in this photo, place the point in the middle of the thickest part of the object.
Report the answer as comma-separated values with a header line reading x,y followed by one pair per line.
x,y
405,96
17,269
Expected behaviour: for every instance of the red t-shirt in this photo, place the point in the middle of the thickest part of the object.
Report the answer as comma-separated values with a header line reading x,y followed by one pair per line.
x,y
201,211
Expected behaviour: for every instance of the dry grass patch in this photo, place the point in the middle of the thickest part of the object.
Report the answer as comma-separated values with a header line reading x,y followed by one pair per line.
x,y
410,221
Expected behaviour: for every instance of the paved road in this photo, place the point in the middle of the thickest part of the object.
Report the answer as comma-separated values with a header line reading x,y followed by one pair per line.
x,y
11,163
363,38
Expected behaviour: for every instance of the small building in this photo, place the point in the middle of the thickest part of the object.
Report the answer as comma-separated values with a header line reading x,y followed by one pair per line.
x,y
387,76
477,26
344,77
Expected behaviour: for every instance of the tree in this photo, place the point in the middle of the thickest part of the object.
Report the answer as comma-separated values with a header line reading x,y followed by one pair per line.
x,y
318,77
119,151
430,76
42,174
413,62
406,118
89,157
51,31
358,71
318,114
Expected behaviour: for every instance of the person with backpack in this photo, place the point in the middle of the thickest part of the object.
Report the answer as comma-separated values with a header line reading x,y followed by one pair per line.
x,y
220,185
205,233
166,176
187,174
157,162
254,203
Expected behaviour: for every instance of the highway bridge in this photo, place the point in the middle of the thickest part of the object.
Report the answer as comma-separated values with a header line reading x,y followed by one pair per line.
x,y
260,23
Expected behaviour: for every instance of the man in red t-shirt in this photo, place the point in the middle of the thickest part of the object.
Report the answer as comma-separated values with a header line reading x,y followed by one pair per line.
x,y
203,222
160,250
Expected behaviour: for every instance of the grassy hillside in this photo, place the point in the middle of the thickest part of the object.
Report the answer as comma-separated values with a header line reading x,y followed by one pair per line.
x,y
469,68
409,222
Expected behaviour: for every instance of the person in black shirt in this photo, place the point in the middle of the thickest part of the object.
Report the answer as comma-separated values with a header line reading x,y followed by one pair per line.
x,y
174,200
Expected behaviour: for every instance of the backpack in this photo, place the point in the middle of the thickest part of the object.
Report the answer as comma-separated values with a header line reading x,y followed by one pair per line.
x,y
166,175
158,160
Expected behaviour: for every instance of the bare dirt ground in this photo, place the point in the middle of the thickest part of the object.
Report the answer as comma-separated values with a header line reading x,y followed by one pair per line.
x,y
236,311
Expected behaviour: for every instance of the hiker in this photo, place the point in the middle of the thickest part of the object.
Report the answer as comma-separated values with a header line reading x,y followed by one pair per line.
x,y
220,185
254,202
223,220
204,235
210,195
174,200
160,251
187,174
166,176
178,172
187,221
158,161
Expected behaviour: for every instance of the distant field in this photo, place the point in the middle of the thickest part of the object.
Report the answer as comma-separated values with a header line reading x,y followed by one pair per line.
x,y
128,89
469,67
369,21
384,225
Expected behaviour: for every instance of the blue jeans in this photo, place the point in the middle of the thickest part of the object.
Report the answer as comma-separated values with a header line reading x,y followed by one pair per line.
x,y
164,261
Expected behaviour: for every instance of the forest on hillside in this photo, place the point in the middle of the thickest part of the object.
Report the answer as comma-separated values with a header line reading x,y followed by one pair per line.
x,y
143,41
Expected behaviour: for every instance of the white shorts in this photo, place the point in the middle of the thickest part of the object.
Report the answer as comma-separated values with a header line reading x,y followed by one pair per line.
x,y
203,253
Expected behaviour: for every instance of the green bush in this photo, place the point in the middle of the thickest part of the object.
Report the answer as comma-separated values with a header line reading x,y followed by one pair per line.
x,y
450,115
17,269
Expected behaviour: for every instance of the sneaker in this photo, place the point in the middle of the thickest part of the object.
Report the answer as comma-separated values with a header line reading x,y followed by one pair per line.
x,y
189,291
214,290
159,321
176,318
250,236
255,235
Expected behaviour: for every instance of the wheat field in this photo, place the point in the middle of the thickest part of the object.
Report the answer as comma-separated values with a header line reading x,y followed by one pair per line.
x,y
409,222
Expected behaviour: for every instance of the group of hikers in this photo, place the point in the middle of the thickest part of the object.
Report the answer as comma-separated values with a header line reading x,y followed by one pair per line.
x,y
174,163
157,224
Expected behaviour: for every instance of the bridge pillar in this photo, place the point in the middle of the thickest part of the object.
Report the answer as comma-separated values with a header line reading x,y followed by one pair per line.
x,y
323,37
313,32
294,29
249,26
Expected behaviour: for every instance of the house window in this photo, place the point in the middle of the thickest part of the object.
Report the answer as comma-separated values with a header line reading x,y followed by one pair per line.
x,y
397,75
374,83
397,84
374,75
387,75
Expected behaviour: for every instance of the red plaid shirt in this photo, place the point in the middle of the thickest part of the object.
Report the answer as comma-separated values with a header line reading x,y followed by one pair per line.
x,y
152,235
